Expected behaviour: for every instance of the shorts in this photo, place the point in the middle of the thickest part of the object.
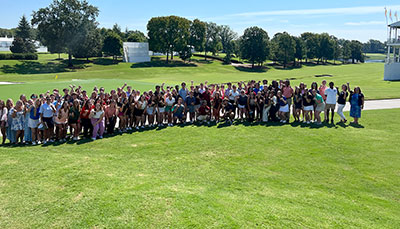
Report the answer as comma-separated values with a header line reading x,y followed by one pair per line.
x,y
72,122
161,109
320,107
168,108
202,117
241,106
33,123
309,108
330,106
284,108
191,109
49,122
138,112
289,101
178,115
150,110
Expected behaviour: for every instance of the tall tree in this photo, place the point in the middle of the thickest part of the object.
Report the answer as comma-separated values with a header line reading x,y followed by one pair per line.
x,y
324,47
212,38
284,47
300,49
311,45
168,34
136,36
226,35
197,35
91,47
356,51
65,23
23,42
254,45
112,45
336,49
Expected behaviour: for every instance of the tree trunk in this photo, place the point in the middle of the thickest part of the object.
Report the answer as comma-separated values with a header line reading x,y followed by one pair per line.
x,y
252,64
205,55
172,54
69,60
59,55
167,56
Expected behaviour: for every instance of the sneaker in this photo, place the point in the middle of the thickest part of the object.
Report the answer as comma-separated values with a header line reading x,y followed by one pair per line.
x,y
33,143
51,141
142,127
308,122
94,139
284,121
44,142
101,137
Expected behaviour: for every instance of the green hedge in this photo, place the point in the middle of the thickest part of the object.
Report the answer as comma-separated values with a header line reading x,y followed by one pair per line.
x,y
18,56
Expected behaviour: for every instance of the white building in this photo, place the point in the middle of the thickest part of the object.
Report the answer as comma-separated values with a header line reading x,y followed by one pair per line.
x,y
136,52
392,65
6,43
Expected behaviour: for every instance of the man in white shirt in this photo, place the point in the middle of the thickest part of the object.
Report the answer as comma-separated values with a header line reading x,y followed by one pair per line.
x,y
330,100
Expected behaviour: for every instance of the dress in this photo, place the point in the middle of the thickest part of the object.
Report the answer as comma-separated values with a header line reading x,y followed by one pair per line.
x,y
17,122
355,108
11,134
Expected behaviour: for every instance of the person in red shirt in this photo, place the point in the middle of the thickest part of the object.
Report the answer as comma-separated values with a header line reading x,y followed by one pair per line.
x,y
85,120
204,113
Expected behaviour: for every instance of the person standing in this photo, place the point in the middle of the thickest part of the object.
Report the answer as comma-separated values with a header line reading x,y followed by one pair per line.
x,y
320,106
33,123
287,92
356,104
18,115
330,101
342,97
97,119
3,120
47,111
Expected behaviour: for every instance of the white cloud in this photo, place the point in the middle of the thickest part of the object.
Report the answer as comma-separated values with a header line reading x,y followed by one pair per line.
x,y
325,11
361,23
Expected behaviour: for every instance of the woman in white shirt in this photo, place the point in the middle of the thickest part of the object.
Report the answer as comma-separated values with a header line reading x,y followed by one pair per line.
x,y
97,119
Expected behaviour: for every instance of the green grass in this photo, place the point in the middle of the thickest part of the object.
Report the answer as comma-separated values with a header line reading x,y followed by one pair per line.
x,y
197,176
39,76
375,56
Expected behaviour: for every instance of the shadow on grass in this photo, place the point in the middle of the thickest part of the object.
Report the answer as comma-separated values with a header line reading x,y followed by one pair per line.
x,y
162,63
105,61
256,69
34,67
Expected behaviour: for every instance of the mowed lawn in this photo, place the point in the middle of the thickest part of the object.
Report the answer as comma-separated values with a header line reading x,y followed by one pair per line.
x,y
290,176
39,76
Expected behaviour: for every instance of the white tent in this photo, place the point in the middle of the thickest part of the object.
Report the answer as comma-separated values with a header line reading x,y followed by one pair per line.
x,y
6,43
136,52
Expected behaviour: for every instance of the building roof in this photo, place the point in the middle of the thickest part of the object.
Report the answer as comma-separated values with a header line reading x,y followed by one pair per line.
x,y
395,25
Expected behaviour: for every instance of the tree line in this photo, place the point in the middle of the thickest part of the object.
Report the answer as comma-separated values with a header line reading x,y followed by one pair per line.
x,y
70,26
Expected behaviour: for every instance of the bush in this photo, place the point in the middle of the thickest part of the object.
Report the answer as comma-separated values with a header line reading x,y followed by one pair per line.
x,y
18,56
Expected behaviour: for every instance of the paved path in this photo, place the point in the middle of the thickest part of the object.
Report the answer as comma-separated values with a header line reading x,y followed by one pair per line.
x,y
378,104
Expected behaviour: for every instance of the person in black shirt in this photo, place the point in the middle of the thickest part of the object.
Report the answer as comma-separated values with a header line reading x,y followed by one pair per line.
x,y
342,97
227,108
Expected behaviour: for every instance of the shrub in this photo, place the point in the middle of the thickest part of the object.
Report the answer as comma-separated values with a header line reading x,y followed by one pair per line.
x,y
18,56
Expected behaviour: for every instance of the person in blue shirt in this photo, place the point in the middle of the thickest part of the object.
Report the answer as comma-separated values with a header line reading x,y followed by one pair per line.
x,y
190,106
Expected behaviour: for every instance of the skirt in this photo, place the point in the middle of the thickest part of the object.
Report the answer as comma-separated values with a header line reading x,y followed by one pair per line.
x,y
32,123
284,108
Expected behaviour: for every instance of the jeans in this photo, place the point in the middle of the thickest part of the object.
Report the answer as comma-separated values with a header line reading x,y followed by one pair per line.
x,y
340,111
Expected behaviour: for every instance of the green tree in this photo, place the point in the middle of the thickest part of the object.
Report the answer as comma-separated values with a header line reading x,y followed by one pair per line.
x,y
337,51
185,53
311,45
300,49
65,23
254,45
324,47
284,47
168,34
226,35
91,47
23,42
212,38
112,45
356,53
136,36
197,35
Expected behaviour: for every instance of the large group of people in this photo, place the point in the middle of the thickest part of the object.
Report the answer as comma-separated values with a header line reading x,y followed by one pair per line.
x,y
74,113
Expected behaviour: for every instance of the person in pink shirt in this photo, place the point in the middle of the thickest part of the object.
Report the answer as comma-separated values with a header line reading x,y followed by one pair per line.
x,y
322,89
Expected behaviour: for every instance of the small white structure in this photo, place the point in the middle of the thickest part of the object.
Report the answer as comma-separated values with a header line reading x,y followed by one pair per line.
x,y
136,52
6,43
392,65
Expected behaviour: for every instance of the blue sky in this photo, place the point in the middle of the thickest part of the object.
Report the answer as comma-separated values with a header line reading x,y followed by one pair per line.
x,y
359,20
